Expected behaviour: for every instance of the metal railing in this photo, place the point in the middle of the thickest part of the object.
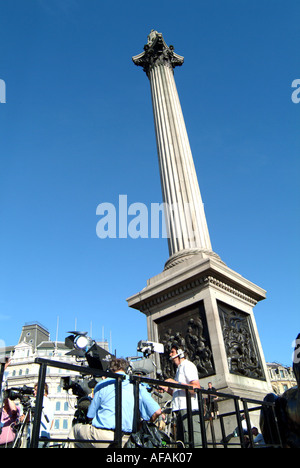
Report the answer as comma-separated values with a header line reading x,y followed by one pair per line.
x,y
237,413
83,371
136,381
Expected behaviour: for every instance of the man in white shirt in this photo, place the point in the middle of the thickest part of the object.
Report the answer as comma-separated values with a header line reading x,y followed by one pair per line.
x,y
186,374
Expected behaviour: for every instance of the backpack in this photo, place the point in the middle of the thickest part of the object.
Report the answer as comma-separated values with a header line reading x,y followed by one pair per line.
x,y
148,436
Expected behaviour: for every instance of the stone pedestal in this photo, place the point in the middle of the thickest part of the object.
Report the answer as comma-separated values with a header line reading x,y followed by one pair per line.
x,y
208,308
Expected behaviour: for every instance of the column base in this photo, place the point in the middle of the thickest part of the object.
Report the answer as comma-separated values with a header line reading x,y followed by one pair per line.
x,y
186,254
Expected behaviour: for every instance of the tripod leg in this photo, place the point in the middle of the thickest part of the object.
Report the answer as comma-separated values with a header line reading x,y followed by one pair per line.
x,y
20,434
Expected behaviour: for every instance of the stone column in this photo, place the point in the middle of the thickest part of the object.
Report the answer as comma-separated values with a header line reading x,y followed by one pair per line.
x,y
197,302
184,212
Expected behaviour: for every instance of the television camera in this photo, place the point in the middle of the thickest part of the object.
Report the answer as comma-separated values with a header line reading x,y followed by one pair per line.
x,y
82,388
146,365
22,393
84,347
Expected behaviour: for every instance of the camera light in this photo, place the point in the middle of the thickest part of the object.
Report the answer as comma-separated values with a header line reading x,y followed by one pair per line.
x,y
81,342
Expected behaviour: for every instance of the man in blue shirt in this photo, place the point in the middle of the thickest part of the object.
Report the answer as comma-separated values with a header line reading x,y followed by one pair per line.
x,y
102,410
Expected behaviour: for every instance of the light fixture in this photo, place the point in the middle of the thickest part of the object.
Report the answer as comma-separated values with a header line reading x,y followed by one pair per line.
x,y
81,341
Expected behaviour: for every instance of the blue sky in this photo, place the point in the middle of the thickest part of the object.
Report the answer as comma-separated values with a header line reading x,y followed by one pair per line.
x,y
77,130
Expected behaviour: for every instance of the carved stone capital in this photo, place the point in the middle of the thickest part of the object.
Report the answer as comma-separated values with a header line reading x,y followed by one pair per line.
x,y
157,52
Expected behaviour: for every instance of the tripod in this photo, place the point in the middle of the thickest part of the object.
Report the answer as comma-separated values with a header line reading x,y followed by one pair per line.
x,y
20,434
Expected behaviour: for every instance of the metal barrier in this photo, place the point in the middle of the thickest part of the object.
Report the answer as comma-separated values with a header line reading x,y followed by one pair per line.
x,y
2,368
82,370
272,421
136,380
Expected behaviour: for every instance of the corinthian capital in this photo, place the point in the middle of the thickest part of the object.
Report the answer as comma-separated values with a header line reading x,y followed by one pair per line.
x,y
157,52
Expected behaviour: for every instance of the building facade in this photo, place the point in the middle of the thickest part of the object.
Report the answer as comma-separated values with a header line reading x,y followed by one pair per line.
x,y
282,377
35,343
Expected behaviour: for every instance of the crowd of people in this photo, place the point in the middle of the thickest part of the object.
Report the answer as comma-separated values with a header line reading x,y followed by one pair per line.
x,y
101,414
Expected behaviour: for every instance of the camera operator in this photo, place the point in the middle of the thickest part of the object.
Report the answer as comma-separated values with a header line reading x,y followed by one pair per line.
x,y
9,416
102,411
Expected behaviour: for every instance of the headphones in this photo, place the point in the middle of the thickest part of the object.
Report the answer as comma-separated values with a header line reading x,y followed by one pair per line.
x,y
180,354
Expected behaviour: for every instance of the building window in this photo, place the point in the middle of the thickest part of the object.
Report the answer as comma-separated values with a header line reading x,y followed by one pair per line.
x,y
65,424
66,406
56,424
57,406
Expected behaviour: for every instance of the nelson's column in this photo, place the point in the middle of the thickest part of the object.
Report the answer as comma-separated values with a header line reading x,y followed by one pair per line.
x,y
197,301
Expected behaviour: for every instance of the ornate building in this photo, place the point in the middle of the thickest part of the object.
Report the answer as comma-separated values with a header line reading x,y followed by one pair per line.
x,y
282,377
35,342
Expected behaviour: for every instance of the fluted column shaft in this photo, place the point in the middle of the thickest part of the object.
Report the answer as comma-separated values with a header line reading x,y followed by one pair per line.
x,y
186,218
184,212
